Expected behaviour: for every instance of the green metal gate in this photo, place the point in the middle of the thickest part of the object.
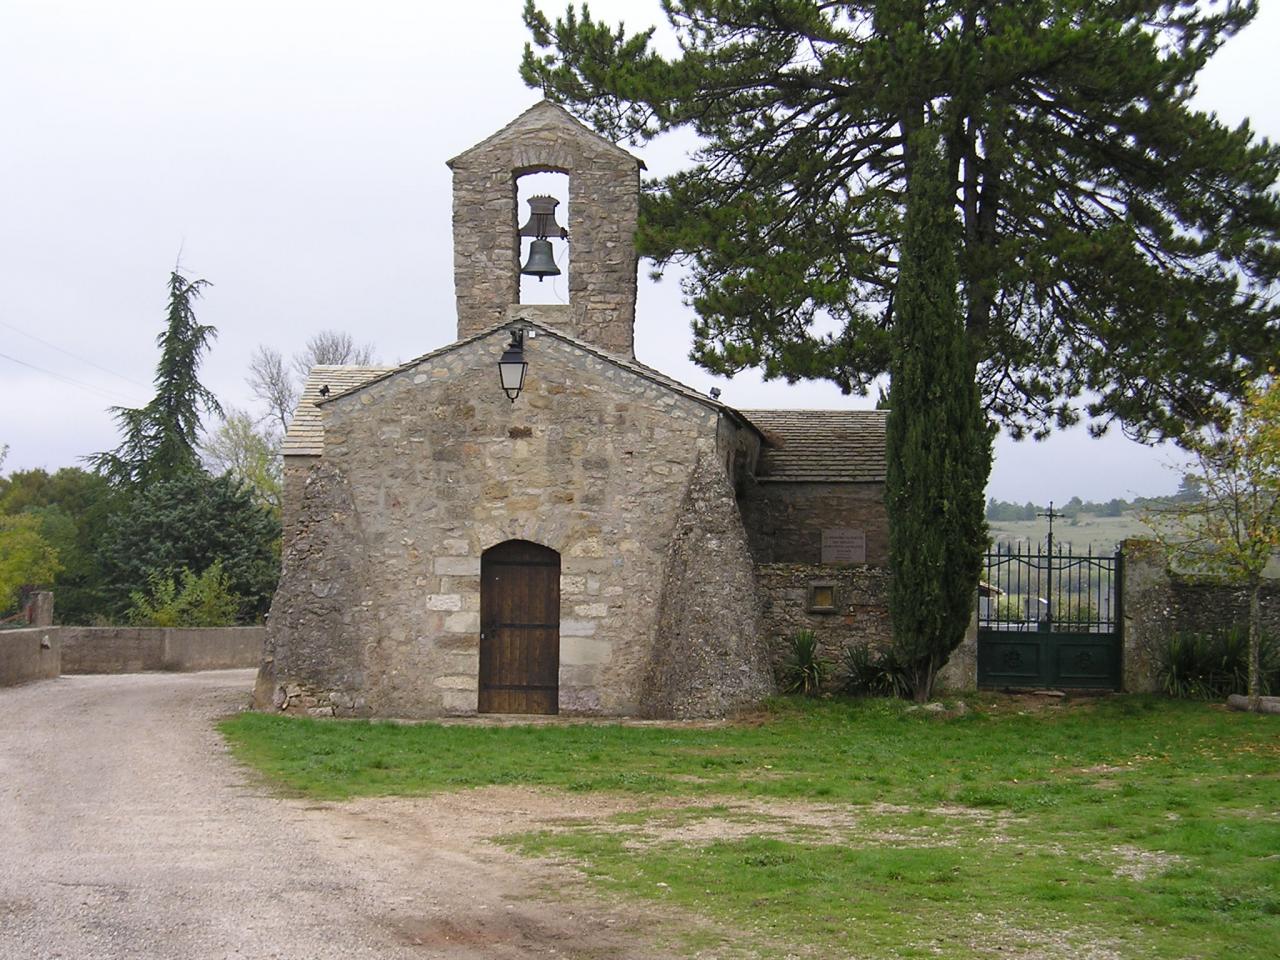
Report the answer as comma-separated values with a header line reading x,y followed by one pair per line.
x,y
1050,620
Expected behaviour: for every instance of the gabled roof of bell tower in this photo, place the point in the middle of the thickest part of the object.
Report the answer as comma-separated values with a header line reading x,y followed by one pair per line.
x,y
546,116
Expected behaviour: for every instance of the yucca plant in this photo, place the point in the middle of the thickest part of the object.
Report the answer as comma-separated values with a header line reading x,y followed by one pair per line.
x,y
804,670
1212,665
875,673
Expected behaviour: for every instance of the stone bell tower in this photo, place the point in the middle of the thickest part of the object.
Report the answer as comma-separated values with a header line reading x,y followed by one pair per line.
x,y
604,204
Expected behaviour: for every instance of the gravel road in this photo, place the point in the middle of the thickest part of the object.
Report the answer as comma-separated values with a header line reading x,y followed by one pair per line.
x,y
127,831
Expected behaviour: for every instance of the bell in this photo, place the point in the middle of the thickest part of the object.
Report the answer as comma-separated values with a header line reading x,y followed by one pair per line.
x,y
541,263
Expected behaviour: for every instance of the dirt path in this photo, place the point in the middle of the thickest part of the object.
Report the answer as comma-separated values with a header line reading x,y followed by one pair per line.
x,y
126,831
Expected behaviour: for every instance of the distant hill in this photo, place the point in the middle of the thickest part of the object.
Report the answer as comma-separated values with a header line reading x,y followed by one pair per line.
x,y
1076,534
1080,525
1083,532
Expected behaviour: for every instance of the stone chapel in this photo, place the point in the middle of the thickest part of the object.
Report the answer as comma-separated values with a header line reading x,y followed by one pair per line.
x,y
609,542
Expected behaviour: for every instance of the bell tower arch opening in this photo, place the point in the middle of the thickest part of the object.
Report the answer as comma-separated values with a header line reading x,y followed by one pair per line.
x,y
542,211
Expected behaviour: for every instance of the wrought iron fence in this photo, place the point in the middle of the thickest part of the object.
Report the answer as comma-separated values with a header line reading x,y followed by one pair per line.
x,y
1038,590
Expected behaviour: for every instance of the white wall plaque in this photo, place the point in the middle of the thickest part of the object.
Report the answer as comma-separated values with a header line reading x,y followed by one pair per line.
x,y
844,545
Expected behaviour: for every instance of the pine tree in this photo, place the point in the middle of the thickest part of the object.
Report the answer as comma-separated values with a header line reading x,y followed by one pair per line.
x,y
1118,247
938,443
1115,250
161,440
192,522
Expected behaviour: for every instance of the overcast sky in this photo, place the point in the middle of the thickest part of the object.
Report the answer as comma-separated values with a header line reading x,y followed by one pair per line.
x,y
294,153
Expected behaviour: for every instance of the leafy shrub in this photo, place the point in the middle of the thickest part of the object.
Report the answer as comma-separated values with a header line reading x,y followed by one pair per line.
x,y
1209,666
190,522
875,673
803,671
25,558
1011,607
1068,609
1076,610
197,601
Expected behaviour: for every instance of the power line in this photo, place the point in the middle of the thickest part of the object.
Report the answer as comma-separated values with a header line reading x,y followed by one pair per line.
x,y
109,394
74,356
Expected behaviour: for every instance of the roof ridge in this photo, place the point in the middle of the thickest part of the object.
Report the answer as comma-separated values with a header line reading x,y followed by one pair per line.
x,y
305,435
822,410
544,105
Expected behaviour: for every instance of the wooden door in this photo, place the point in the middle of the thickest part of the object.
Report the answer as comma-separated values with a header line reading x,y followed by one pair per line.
x,y
519,629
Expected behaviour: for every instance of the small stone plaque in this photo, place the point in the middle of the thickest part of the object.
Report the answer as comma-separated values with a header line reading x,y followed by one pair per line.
x,y
822,597
844,545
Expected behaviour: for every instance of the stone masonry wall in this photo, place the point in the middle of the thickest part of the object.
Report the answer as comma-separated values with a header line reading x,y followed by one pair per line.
x,y
293,488
604,204
785,520
861,612
31,653
134,649
1159,603
318,630
861,616
424,471
709,658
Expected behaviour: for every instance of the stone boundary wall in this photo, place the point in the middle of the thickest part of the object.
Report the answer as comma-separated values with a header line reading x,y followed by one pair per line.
x,y
1158,603
31,653
139,649
861,615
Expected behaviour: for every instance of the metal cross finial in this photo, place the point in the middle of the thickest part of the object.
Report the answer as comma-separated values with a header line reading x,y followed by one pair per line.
x,y
1052,514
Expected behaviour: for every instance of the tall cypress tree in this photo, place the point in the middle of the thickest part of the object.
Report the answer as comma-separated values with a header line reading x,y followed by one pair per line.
x,y
160,441
939,444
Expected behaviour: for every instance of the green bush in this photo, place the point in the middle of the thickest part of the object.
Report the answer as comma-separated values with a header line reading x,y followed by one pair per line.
x,y
803,671
1011,607
1210,666
191,522
1077,610
196,601
1069,609
875,673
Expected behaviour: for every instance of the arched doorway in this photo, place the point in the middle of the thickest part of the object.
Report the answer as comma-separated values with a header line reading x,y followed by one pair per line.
x,y
519,629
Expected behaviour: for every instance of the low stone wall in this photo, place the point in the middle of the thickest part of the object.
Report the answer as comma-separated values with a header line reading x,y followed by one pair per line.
x,y
112,649
1159,603
859,614
139,649
213,648
33,653
792,595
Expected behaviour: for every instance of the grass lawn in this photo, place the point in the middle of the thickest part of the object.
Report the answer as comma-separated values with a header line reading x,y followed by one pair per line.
x,y
1118,827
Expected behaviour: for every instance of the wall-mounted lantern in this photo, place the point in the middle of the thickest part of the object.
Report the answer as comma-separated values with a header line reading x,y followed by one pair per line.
x,y
512,366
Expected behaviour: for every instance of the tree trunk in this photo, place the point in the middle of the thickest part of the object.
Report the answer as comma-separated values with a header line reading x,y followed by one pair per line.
x,y
1255,645
1265,704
